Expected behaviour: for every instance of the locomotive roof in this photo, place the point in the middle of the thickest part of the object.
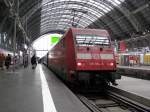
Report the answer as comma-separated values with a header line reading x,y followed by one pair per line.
x,y
86,31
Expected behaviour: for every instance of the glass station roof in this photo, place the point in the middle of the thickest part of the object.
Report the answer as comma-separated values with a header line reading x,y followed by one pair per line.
x,y
62,14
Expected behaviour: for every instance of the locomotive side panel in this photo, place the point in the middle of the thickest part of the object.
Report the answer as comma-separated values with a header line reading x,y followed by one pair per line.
x,y
56,59
60,58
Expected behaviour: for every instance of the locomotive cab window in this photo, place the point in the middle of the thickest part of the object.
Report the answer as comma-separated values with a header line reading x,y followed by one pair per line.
x,y
92,40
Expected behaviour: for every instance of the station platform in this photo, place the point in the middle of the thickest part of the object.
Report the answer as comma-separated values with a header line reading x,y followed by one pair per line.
x,y
136,89
28,90
136,67
142,72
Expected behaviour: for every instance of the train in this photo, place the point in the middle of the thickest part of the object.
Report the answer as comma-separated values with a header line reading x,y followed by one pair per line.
x,y
83,55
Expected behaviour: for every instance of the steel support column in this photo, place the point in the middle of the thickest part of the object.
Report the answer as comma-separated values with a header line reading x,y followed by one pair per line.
x,y
3,23
14,43
15,25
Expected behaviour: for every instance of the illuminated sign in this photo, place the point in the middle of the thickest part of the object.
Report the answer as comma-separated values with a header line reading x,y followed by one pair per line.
x,y
54,39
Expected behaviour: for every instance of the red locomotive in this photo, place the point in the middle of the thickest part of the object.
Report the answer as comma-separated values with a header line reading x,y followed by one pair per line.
x,y
83,55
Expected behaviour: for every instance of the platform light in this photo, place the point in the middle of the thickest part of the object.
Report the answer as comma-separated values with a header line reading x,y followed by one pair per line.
x,y
21,53
25,46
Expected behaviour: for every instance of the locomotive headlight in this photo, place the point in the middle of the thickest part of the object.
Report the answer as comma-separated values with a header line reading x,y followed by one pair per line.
x,y
79,64
111,64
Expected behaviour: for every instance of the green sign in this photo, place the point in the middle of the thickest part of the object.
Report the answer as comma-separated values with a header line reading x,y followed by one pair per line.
x,y
54,39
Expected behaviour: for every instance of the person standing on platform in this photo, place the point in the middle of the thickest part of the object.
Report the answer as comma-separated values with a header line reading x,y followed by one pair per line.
x,y
8,61
33,62
2,60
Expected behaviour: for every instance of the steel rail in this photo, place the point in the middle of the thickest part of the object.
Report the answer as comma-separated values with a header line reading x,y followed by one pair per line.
x,y
129,102
118,102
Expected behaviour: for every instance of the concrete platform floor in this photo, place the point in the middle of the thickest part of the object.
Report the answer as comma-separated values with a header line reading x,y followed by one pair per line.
x,y
135,67
27,90
137,86
136,89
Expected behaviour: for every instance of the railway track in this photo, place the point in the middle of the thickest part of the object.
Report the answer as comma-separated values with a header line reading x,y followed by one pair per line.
x,y
111,102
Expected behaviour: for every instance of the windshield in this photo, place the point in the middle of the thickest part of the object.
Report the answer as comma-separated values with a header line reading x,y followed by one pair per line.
x,y
92,40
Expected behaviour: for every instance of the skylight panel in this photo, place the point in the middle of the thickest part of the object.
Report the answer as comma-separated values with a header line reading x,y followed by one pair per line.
x,y
52,11
116,2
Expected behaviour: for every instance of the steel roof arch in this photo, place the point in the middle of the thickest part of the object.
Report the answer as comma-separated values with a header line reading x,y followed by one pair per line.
x,y
71,9
82,3
65,14
62,21
93,5
56,15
